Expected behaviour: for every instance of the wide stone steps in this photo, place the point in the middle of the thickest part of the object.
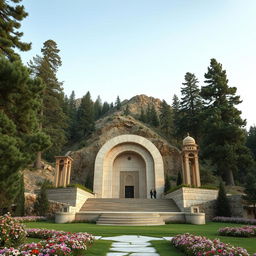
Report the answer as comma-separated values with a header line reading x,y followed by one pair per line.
x,y
130,219
129,205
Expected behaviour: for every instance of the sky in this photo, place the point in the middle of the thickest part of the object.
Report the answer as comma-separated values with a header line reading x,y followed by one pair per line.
x,y
131,47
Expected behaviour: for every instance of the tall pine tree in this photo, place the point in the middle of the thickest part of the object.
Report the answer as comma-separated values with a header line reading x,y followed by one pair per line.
x,y
11,14
223,137
54,120
190,107
166,120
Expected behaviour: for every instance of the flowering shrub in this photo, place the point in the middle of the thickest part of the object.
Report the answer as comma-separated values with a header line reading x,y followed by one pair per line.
x,y
30,218
201,246
12,233
44,233
59,244
245,231
235,220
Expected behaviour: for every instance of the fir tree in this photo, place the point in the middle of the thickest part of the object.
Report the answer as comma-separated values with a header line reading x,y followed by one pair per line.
x,y
251,140
166,121
154,117
19,135
97,108
105,108
46,68
190,107
85,117
223,136
10,38
222,203
118,103
176,116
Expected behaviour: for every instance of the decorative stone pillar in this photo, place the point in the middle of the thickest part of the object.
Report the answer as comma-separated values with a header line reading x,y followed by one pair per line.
x,y
190,165
63,171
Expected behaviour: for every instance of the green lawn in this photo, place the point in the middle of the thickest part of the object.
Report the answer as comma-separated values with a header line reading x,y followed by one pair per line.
x,y
209,230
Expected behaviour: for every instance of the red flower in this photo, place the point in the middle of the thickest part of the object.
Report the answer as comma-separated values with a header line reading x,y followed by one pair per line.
x,y
35,251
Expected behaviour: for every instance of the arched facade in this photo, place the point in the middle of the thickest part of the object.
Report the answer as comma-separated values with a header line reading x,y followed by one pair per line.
x,y
128,166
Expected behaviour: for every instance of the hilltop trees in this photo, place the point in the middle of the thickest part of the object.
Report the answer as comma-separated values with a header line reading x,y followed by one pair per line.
x,y
10,38
166,120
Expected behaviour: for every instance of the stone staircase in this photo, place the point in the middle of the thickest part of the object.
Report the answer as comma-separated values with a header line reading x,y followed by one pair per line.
x,y
130,205
132,211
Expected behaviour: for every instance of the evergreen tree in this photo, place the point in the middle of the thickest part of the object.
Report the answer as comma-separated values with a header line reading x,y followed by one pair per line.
x,y
105,108
85,116
251,140
127,110
223,136
20,199
19,136
250,190
10,38
222,203
41,205
54,120
142,117
179,179
154,117
166,121
118,103
97,108
176,116
72,114
167,184
190,107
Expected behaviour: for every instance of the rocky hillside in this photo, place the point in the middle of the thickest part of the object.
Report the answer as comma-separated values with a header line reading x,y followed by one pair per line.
x,y
112,126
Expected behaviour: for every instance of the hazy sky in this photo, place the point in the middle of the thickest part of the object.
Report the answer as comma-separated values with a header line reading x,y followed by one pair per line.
x,y
129,47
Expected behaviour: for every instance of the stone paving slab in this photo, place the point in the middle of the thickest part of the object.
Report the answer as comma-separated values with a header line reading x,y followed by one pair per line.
x,y
117,254
168,238
129,249
144,254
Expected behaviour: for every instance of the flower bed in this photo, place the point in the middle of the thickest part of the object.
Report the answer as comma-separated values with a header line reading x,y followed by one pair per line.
x,y
12,233
246,231
30,218
234,220
201,246
44,233
59,244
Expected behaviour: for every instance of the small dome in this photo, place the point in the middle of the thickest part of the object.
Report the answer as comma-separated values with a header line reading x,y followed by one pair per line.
x,y
189,141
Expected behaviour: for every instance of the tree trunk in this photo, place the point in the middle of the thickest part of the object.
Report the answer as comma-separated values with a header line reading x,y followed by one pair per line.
x,y
38,163
229,178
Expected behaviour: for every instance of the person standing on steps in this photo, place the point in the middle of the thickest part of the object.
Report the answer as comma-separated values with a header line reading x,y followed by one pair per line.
x,y
151,193
154,193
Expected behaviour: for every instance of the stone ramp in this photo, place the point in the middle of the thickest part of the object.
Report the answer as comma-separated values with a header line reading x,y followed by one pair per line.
x,y
129,205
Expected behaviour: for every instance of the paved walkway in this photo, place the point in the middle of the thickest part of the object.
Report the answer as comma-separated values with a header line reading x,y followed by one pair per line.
x,y
132,245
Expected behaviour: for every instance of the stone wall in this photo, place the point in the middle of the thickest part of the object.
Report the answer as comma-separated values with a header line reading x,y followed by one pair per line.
x,y
74,197
187,197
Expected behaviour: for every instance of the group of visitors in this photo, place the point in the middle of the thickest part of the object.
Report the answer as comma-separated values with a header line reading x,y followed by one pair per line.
x,y
153,193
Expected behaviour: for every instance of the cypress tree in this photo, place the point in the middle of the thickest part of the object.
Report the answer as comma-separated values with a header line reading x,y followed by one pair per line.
x,y
41,205
222,203
20,199
167,184
250,191
179,179
10,38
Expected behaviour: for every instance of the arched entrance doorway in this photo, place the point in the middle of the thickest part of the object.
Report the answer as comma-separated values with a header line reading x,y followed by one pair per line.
x,y
128,166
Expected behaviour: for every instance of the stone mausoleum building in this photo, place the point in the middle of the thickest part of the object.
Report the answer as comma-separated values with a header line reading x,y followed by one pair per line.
x,y
126,169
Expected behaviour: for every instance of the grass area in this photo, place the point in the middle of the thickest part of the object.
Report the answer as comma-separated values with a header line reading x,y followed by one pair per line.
x,y
164,248
99,248
209,230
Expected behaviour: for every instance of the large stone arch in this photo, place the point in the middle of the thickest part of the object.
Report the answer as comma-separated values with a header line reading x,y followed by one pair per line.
x,y
103,171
